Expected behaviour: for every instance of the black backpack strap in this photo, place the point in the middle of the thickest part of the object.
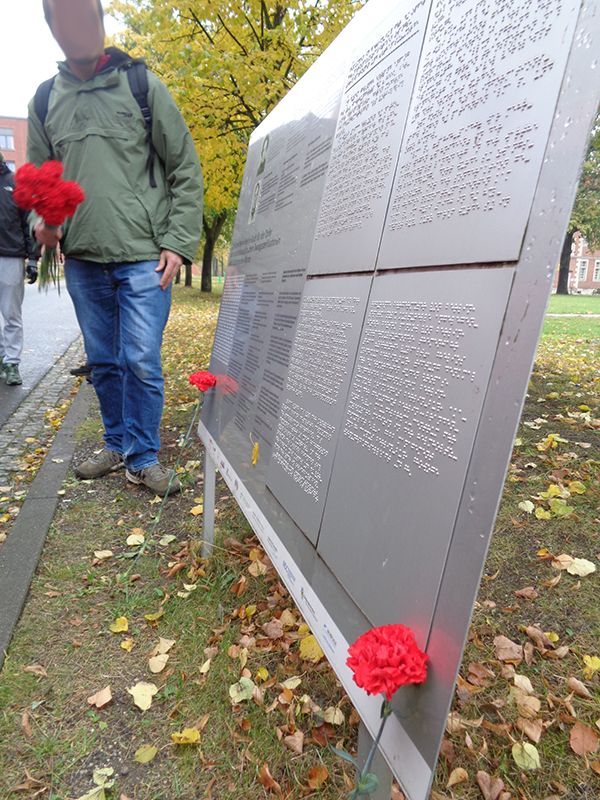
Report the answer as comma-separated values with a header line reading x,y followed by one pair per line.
x,y
138,83
40,105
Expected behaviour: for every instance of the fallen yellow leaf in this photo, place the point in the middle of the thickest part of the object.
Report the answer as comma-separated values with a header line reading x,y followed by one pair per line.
x,y
187,736
120,625
310,649
145,753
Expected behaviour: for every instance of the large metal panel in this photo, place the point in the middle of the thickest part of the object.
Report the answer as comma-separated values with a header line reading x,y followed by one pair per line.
x,y
433,480
479,120
421,373
274,230
329,326
367,140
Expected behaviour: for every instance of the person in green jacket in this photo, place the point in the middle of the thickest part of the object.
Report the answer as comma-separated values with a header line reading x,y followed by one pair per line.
x,y
128,239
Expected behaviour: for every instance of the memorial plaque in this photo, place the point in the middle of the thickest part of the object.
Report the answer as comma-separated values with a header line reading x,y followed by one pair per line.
x,y
367,140
418,387
384,404
479,120
322,359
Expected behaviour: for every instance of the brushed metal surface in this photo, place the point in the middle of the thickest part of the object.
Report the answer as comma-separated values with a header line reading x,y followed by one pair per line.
x,y
322,360
367,140
484,101
421,375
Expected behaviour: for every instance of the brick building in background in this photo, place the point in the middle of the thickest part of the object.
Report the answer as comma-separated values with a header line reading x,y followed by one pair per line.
x,y
13,141
584,270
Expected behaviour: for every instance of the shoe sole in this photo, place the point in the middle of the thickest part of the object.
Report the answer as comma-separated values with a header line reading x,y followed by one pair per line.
x,y
101,475
140,482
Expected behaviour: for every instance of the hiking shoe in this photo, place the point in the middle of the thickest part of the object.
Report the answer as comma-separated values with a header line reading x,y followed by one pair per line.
x,y
82,369
155,478
12,375
95,467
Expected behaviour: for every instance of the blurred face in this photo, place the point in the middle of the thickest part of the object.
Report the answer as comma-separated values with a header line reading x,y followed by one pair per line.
x,y
78,28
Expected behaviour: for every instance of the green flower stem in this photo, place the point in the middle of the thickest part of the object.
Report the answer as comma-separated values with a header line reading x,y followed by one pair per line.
x,y
144,546
386,710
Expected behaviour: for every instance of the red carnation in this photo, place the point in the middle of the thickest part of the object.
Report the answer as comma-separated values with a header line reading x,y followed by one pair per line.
x,y
386,658
44,190
202,380
53,199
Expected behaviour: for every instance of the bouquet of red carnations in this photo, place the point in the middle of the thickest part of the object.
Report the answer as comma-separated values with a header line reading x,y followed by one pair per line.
x,y
53,199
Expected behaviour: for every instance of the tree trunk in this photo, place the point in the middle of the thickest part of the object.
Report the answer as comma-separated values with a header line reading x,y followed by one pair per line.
x,y
565,263
178,276
188,274
212,231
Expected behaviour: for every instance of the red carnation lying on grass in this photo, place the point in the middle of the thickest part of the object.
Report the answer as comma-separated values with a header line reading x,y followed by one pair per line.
x,y
202,380
386,658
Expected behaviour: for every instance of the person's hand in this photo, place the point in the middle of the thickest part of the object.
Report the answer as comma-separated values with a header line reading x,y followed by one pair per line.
x,y
47,235
32,271
169,265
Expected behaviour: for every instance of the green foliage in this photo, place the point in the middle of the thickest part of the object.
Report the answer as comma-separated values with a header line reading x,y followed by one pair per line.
x,y
585,217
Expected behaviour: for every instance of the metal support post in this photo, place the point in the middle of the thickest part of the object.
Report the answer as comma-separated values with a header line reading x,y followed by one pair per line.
x,y
208,514
378,767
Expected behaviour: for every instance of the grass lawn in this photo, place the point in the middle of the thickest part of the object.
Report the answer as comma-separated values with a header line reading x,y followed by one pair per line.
x,y
574,304
209,634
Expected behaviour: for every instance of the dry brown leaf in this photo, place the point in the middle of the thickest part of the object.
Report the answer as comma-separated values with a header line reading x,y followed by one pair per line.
x,y
397,793
583,739
506,650
527,705
209,788
36,669
317,777
563,561
239,587
523,683
552,582
273,629
322,734
574,685
457,775
479,675
101,698
528,651
538,637
25,724
295,742
560,652
266,779
491,788
533,728
529,592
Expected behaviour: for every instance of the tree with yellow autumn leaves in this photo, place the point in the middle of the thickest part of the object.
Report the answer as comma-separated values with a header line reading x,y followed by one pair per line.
x,y
227,63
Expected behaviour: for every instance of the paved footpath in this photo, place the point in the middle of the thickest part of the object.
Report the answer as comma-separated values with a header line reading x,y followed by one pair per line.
x,y
30,417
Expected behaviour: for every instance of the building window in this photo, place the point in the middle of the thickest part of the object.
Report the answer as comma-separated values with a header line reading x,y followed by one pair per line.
x,y
7,139
597,271
11,165
582,269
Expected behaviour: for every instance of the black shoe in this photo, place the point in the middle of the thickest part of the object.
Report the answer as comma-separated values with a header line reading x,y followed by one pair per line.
x,y
82,369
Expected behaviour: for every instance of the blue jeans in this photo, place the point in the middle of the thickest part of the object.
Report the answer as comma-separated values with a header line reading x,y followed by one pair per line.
x,y
122,312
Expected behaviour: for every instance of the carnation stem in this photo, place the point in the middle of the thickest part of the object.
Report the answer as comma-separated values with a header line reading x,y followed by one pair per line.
x,y
386,710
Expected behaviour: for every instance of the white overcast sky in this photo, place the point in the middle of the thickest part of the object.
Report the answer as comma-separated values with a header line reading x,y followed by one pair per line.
x,y
28,54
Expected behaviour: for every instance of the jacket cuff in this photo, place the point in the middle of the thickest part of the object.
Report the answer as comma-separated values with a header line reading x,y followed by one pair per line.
x,y
169,243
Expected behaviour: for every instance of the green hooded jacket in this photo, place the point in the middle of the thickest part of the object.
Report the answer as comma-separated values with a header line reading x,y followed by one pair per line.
x,y
97,130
